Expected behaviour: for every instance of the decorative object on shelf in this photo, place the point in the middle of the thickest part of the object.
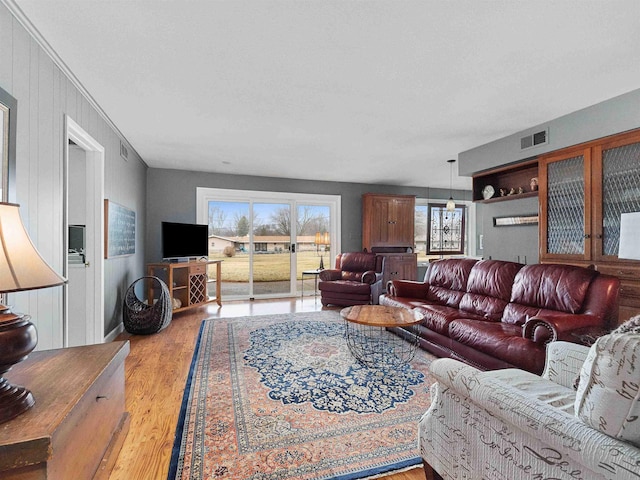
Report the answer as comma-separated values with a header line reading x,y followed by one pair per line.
x,y
21,268
139,317
322,240
488,192
515,220
534,184
503,192
512,191
629,234
451,204
176,303
520,190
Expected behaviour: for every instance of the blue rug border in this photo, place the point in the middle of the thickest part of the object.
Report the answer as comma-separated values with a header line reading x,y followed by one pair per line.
x,y
175,452
388,469
177,441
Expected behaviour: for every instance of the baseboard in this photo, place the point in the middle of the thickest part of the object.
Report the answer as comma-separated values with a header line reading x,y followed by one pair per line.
x,y
111,336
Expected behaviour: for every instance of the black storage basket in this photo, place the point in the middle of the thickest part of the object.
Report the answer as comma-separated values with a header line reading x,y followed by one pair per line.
x,y
142,319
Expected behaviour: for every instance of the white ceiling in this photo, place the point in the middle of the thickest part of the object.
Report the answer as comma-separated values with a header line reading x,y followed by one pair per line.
x,y
367,91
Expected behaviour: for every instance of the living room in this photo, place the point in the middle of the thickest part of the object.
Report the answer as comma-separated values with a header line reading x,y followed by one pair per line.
x,y
54,106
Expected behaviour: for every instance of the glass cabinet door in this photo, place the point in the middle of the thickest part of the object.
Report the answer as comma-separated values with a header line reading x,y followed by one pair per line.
x,y
620,189
566,206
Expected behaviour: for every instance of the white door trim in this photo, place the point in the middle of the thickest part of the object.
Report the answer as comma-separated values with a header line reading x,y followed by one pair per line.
x,y
95,154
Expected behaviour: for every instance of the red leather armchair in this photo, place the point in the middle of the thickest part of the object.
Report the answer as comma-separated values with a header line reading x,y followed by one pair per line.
x,y
355,280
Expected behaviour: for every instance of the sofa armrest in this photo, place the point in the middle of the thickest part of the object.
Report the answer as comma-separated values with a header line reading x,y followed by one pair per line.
x,y
547,329
455,374
407,288
564,361
330,275
370,277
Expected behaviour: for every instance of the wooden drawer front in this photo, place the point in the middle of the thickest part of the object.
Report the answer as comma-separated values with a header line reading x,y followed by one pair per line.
x,y
630,293
197,269
621,271
81,441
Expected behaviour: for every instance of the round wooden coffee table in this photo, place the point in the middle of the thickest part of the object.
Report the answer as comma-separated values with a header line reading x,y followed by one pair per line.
x,y
369,340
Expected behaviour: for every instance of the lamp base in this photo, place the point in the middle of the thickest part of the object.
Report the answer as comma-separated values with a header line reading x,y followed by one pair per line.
x,y
18,338
13,400
321,267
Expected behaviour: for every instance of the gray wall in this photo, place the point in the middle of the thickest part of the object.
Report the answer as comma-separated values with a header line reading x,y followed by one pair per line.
x,y
45,94
513,243
172,197
616,115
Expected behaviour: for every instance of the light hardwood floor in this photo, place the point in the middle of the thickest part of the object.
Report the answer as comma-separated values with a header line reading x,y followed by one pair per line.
x,y
156,371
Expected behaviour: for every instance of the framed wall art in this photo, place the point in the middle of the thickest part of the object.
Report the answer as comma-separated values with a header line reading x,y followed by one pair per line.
x,y
517,220
119,230
8,122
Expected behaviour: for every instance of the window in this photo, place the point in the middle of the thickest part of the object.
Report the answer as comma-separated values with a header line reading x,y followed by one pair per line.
x,y
440,233
445,232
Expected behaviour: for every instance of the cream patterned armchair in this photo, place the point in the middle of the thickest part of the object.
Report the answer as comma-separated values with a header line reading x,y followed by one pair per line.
x,y
580,420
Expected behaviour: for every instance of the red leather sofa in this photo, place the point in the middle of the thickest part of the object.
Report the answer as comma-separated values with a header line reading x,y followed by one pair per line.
x,y
355,280
494,314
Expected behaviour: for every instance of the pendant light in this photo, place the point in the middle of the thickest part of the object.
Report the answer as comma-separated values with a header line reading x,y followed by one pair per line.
x,y
451,204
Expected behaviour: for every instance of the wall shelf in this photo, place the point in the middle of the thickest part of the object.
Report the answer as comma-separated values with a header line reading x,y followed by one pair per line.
x,y
510,177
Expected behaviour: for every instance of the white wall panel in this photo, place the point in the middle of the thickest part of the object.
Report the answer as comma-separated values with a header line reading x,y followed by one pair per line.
x,y
45,95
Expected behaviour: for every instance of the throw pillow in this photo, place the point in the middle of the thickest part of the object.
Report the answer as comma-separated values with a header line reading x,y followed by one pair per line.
x,y
608,396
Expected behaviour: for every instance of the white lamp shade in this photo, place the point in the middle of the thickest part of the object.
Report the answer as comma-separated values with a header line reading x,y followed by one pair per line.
x,y
451,205
629,236
21,266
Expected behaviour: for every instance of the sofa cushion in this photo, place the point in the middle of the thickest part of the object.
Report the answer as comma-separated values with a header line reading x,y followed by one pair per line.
x,y
489,288
345,286
448,280
608,396
500,340
354,264
438,317
547,287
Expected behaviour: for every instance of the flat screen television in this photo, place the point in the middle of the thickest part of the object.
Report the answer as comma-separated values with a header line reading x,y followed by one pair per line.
x,y
184,240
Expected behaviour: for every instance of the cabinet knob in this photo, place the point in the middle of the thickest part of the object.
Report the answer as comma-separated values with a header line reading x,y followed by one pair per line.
x,y
586,235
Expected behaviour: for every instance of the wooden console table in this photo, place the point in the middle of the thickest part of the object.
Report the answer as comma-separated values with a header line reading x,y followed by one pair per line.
x,y
187,282
78,424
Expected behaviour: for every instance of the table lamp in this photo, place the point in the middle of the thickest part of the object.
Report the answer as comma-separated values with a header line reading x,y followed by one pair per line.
x,y
21,268
321,239
629,235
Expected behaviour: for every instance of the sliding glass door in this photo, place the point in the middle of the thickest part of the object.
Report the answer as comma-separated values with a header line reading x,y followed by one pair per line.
x,y
267,239
273,249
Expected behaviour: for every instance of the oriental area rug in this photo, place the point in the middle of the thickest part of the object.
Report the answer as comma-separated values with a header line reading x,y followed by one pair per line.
x,y
281,397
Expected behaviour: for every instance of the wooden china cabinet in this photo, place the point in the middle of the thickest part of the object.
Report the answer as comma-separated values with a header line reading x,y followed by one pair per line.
x,y
583,190
388,229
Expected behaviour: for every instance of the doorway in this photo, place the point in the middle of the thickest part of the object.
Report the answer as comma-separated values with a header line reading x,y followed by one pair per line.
x,y
83,295
266,240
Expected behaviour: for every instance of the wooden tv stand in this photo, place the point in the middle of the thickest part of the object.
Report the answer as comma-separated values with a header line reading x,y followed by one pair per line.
x,y
187,282
78,424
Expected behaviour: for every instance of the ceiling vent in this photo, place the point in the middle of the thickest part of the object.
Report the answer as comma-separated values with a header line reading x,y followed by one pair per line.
x,y
124,151
534,140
